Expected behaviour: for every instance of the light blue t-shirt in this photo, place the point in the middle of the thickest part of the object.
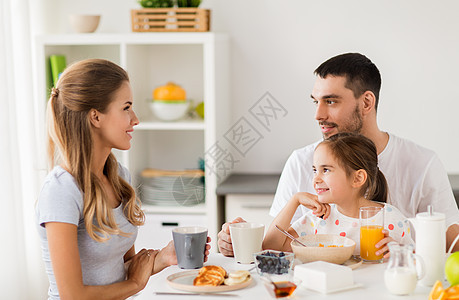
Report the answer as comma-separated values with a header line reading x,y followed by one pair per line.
x,y
61,200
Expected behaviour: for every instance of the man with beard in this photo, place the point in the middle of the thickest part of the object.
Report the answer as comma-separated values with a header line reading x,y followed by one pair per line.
x,y
346,95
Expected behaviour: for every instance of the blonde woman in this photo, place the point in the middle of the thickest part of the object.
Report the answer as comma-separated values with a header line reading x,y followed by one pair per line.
x,y
87,211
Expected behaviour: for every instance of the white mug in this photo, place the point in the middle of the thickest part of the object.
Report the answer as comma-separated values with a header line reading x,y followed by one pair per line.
x,y
247,239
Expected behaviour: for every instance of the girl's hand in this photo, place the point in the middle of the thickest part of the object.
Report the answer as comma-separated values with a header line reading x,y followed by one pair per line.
x,y
383,244
140,267
311,201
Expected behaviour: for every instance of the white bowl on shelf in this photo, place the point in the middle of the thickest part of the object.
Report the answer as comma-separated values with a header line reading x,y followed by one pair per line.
x,y
169,110
84,23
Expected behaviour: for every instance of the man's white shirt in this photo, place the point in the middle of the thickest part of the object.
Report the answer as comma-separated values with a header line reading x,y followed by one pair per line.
x,y
415,176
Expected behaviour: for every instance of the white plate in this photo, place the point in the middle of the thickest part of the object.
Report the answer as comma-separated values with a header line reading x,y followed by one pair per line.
x,y
184,281
353,262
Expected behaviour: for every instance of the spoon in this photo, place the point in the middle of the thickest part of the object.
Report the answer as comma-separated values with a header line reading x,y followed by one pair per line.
x,y
290,236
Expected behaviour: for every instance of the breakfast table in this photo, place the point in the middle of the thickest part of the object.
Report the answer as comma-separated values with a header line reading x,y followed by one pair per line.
x,y
368,277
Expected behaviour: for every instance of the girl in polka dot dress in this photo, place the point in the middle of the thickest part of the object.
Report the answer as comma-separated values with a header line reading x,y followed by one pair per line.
x,y
346,178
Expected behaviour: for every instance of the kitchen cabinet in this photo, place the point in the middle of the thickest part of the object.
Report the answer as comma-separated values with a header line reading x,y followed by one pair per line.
x,y
252,208
157,231
249,196
199,62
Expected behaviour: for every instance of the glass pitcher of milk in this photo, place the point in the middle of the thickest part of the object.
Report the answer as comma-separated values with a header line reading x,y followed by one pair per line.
x,y
403,270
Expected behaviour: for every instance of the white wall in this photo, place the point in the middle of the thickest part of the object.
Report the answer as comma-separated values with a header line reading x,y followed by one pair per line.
x,y
276,45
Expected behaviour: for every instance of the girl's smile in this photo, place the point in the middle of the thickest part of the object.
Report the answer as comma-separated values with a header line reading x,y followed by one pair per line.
x,y
330,181
321,190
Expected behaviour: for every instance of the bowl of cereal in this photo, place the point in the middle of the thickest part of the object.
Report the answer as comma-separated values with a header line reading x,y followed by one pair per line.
x,y
325,247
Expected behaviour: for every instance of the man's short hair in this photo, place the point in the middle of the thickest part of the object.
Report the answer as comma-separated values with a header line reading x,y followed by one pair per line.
x,y
361,73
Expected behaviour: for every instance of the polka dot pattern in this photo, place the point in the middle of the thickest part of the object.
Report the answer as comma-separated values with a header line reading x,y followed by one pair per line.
x,y
338,224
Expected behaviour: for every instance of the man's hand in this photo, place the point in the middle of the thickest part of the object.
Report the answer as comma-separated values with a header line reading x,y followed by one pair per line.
x,y
224,238
451,233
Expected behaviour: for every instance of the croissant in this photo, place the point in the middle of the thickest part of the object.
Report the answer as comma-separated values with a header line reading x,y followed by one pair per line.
x,y
210,275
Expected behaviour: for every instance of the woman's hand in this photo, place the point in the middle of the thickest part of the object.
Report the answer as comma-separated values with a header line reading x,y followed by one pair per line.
x,y
206,251
383,244
140,267
165,258
311,201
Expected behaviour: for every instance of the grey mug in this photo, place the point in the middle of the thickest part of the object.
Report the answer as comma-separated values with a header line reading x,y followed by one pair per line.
x,y
190,245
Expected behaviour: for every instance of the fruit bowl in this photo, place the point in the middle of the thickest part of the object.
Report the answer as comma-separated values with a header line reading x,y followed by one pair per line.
x,y
274,262
325,247
169,110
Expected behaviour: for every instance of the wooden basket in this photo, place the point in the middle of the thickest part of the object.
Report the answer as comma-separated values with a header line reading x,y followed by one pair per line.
x,y
170,19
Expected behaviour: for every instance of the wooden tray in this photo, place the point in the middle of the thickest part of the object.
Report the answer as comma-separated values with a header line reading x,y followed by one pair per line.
x,y
170,19
184,281
354,262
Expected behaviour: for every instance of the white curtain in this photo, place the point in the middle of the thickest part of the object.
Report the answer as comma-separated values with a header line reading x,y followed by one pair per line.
x,y
23,275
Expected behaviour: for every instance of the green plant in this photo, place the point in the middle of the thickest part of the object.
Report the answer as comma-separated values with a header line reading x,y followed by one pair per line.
x,y
156,3
188,3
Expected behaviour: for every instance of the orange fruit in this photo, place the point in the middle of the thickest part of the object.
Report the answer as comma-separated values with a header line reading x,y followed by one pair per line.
x,y
437,292
452,292
169,92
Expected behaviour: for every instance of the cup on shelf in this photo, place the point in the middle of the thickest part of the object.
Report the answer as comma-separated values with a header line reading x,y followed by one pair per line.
x,y
247,239
190,245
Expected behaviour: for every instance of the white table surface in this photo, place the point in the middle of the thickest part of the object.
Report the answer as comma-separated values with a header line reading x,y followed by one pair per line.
x,y
371,276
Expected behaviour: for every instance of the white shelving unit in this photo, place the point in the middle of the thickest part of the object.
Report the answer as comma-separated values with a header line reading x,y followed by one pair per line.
x,y
199,62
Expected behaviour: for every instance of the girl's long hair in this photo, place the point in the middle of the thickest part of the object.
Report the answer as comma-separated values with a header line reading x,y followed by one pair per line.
x,y
85,85
356,152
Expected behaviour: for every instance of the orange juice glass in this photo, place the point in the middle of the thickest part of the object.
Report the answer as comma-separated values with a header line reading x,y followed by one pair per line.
x,y
371,227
